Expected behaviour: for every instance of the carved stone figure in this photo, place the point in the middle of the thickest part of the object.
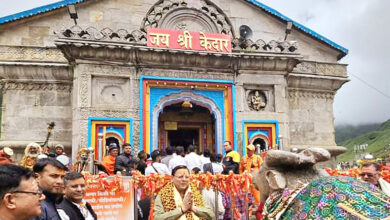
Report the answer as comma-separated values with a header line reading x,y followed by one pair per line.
x,y
257,101
293,187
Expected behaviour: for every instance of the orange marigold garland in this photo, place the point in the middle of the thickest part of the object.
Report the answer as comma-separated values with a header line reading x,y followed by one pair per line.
x,y
150,186
385,172
232,185
105,183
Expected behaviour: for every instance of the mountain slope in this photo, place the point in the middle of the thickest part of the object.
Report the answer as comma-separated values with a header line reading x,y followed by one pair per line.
x,y
378,143
345,132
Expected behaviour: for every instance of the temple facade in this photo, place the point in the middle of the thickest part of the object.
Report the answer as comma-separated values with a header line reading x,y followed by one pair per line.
x,y
166,73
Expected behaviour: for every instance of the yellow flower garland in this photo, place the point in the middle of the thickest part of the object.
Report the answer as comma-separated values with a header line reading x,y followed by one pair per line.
x,y
168,200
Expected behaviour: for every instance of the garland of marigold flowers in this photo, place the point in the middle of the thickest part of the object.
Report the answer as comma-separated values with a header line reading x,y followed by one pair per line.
x,y
113,185
385,172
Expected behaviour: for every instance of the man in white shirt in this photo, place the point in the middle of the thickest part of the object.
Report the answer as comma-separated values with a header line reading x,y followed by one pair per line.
x,y
205,157
192,159
177,159
156,166
170,153
213,167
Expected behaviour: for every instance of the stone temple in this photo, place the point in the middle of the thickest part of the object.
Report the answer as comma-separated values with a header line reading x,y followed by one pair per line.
x,y
268,80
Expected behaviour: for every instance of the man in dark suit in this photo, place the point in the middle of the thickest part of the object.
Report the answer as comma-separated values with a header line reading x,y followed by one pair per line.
x,y
73,206
50,174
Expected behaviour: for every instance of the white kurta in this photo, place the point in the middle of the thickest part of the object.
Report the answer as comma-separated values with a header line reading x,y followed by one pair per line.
x,y
193,160
160,167
176,161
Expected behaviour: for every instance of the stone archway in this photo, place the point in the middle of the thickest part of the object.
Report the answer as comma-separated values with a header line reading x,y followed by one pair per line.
x,y
260,137
194,98
115,135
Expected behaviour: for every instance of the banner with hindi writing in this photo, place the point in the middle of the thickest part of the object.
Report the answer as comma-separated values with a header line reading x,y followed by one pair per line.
x,y
112,205
188,40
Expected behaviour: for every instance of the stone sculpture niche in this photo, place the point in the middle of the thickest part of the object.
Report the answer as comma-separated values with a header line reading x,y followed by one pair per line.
x,y
257,100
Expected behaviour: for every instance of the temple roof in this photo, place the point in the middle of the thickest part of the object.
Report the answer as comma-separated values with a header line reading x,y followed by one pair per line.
x,y
269,10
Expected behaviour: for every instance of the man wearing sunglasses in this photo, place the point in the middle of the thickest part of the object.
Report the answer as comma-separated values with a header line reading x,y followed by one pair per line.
x,y
20,197
371,174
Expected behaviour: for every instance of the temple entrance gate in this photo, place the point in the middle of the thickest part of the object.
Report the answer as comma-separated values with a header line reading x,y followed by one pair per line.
x,y
200,111
185,124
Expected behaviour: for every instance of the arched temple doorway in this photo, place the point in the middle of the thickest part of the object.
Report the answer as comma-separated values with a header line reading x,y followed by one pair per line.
x,y
260,142
213,95
186,123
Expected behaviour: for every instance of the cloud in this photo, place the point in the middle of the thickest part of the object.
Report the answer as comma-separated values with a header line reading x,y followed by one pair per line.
x,y
362,27
15,6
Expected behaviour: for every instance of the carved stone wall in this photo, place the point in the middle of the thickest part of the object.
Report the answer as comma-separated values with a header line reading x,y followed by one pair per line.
x,y
26,113
35,94
202,15
325,69
22,53
311,118
103,91
110,91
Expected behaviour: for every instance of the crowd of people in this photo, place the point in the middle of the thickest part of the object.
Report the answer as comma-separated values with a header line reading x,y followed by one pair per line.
x,y
47,192
59,189
46,186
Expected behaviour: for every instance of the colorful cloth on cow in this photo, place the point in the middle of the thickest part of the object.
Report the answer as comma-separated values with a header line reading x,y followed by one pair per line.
x,y
333,197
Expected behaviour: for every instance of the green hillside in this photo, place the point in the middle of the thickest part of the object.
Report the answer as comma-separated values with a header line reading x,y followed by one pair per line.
x,y
346,132
378,143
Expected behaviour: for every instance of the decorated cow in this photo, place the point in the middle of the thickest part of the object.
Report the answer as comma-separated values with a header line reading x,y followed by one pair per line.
x,y
293,186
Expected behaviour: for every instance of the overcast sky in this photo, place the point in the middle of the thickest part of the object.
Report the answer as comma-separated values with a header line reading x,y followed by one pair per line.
x,y
358,25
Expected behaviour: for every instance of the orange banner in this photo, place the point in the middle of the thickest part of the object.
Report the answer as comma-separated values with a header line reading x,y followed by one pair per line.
x,y
108,205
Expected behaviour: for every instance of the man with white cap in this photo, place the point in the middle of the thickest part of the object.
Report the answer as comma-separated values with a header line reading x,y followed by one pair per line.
x,y
5,156
59,150
61,156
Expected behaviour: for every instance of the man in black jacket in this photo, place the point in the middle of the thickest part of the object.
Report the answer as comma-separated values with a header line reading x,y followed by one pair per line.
x,y
231,161
73,207
123,161
50,176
